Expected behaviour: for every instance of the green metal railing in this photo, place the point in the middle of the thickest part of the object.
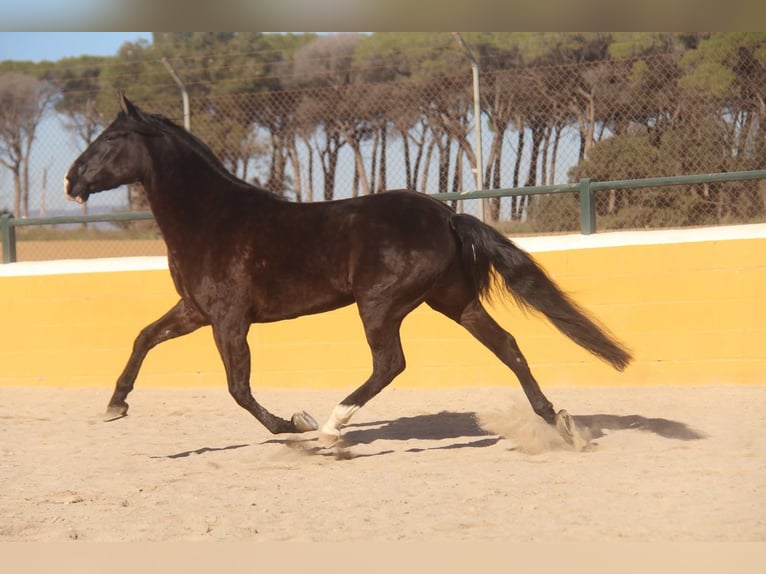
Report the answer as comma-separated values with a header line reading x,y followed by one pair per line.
x,y
8,225
585,187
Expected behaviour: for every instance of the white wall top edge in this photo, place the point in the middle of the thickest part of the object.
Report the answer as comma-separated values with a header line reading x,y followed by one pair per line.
x,y
529,243
70,266
653,237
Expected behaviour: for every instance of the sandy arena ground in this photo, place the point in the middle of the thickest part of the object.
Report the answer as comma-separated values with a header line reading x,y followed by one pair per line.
x,y
667,464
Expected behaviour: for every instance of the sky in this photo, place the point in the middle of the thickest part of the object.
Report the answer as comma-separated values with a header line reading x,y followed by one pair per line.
x,y
52,46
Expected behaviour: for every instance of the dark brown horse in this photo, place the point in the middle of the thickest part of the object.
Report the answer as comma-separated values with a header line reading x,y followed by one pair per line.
x,y
240,255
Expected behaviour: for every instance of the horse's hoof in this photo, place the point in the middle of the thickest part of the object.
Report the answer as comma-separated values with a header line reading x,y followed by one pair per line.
x,y
116,411
304,422
328,440
568,430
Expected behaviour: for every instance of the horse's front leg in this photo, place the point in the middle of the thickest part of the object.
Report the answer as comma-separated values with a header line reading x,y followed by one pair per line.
x,y
180,320
231,340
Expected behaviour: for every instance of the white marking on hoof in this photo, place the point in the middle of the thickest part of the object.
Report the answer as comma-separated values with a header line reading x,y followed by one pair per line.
x,y
568,430
328,440
330,433
341,414
304,422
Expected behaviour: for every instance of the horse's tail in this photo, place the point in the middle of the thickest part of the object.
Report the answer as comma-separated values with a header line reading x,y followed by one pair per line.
x,y
496,264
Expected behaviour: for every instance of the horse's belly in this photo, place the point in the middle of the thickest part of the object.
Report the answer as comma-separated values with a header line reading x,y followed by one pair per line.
x,y
291,305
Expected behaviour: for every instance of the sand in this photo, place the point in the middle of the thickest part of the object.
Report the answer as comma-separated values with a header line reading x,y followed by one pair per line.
x,y
667,464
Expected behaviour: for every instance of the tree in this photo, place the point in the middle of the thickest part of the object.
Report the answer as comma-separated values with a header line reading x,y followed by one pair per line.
x,y
23,102
723,83
78,80
325,64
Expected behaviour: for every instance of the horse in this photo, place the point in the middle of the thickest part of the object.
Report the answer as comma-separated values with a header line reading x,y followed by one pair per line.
x,y
240,255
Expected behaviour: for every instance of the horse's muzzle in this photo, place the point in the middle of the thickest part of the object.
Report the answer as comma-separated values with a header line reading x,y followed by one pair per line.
x,y
71,192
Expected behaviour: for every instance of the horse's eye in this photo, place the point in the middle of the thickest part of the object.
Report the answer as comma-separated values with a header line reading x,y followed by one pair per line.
x,y
112,136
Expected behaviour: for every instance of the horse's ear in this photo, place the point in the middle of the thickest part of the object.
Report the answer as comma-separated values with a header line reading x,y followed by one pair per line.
x,y
127,107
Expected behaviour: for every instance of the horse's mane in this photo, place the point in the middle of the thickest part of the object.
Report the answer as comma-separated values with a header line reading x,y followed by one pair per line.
x,y
200,148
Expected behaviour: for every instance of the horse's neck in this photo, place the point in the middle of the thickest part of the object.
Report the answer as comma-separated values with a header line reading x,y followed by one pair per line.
x,y
181,179
188,194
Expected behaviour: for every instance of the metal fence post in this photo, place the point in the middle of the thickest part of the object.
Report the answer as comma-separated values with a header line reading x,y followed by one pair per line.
x,y
587,208
8,235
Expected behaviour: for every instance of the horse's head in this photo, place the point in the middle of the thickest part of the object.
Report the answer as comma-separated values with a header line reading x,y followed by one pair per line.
x,y
117,156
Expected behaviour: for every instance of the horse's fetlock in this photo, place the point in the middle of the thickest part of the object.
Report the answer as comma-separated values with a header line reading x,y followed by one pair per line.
x,y
546,412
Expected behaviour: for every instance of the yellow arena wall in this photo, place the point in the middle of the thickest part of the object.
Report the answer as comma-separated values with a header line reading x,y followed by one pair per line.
x,y
690,304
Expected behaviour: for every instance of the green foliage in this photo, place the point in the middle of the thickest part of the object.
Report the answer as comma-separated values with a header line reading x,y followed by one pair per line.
x,y
711,78
623,157
642,103
716,67
554,213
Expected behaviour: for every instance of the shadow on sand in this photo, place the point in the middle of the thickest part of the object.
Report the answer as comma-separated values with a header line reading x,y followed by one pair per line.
x,y
451,425
464,429
597,424
203,450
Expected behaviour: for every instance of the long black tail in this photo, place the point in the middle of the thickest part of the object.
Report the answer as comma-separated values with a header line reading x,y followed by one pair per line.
x,y
486,249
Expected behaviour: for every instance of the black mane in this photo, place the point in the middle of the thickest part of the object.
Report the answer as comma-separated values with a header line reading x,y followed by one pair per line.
x,y
200,148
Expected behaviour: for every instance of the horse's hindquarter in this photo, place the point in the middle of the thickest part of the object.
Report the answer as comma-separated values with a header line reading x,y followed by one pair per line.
x,y
399,239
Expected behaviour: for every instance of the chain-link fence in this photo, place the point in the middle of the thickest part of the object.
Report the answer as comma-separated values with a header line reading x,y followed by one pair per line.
x,y
638,117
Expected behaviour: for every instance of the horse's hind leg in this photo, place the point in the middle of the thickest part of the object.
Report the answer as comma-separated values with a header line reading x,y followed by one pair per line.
x,y
180,320
482,326
231,340
387,362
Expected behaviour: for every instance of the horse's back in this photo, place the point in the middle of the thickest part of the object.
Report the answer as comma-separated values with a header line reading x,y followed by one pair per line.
x,y
409,215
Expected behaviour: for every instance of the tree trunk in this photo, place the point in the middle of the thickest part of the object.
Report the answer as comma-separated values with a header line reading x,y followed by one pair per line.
x,y
382,175
554,154
494,170
329,174
457,177
17,192
25,187
519,153
292,155
409,179
330,165
427,163
444,160
374,163
361,174
276,183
